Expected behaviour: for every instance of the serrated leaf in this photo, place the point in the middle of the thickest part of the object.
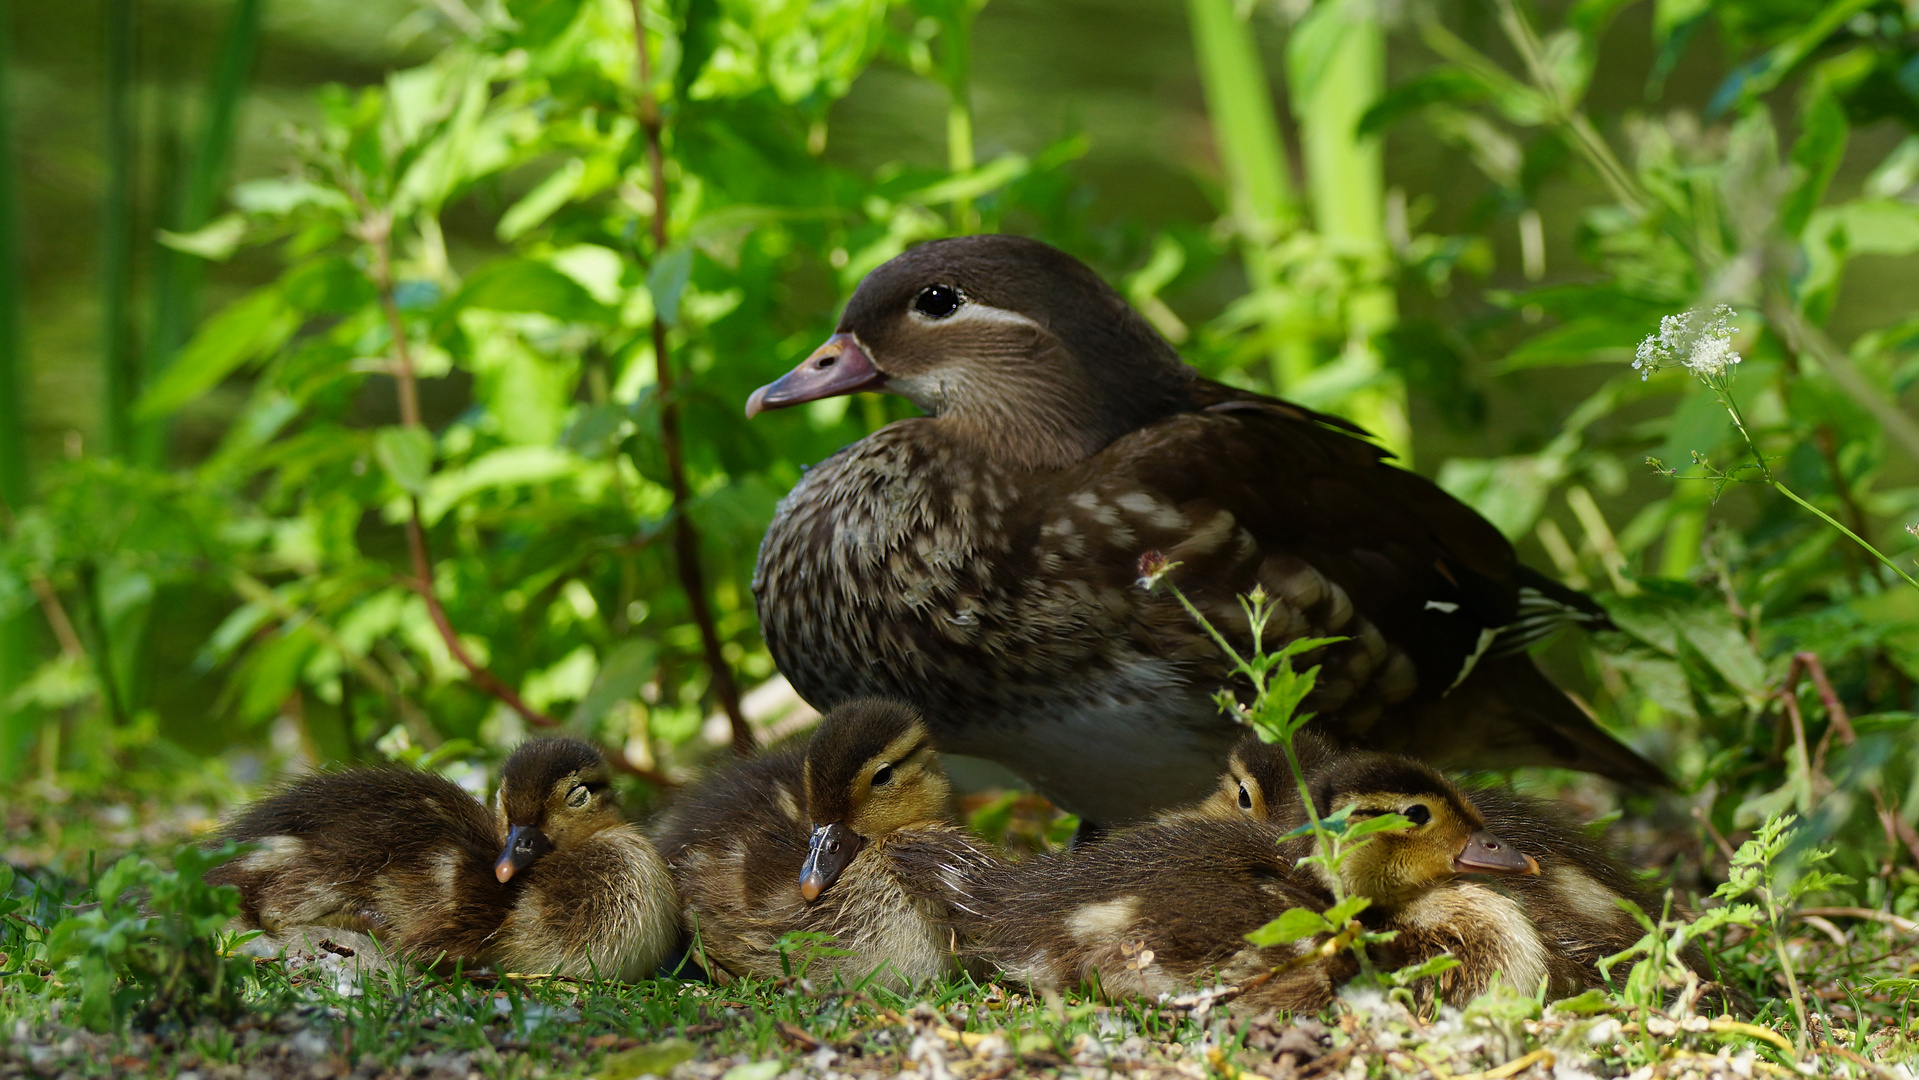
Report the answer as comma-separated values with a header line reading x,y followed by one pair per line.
x,y
1295,924
406,453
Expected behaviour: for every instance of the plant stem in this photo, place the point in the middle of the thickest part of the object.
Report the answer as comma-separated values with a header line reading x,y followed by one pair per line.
x,y
686,541
376,230
122,377
177,275
17,659
957,61
1724,390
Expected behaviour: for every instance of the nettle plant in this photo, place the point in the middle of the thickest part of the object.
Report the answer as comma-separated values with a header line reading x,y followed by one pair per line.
x,y
1271,709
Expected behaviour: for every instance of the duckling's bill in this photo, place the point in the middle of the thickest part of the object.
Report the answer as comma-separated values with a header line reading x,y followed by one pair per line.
x,y
524,846
1485,853
828,851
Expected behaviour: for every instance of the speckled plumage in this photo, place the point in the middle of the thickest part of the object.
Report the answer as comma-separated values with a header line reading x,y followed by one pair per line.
x,y
1159,908
736,843
410,858
981,562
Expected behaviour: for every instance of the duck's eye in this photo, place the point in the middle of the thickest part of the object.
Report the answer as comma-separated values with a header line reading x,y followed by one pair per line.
x,y
1417,813
1245,798
937,301
578,796
881,775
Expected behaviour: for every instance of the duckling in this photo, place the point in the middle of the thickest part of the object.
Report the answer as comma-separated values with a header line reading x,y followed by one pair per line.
x,y
595,897
1151,909
797,839
1145,911
554,881
1572,901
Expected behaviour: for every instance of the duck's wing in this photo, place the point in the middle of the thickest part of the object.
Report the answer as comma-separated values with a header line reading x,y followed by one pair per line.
x,y
1251,492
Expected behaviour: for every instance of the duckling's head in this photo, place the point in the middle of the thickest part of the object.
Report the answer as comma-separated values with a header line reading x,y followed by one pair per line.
x,y
871,770
1258,782
553,793
1448,835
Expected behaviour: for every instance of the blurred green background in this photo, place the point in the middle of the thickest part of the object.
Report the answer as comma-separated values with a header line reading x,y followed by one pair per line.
x,y
241,228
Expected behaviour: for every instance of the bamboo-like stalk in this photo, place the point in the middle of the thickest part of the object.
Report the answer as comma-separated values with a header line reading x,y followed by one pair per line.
x,y
16,637
1245,128
119,366
1261,202
686,539
956,72
177,276
1336,64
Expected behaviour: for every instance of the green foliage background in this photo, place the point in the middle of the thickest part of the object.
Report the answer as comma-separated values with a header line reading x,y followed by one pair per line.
x,y
1452,222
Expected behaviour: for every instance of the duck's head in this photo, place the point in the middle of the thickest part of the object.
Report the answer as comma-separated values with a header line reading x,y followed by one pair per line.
x,y
1014,346
554,793
1447,836
871,770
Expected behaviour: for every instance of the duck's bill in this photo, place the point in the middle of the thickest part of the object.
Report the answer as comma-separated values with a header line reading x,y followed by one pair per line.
x,y
828,852
838,367
524,846
1485,853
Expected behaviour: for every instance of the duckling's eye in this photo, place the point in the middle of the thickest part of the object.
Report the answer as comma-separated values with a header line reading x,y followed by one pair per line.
x,y
883,774
578,796
1245,798
937,301
1417,814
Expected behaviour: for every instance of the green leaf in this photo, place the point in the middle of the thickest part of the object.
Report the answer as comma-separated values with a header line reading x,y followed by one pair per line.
x,y
214,242
1821,146
1295,924
620,677
539,204
1581,341
525,285
1339,913
406,453
699,38
655,1059
666,281
1367,826
1447,84
247,328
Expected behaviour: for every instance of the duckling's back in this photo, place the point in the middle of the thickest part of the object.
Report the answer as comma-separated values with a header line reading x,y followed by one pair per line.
x,y
388,851
1144,911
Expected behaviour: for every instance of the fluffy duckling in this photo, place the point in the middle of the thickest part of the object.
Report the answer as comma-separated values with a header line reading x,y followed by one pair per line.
x,y
1152,909
1148,910
1572,901
594,895
557,882
797,839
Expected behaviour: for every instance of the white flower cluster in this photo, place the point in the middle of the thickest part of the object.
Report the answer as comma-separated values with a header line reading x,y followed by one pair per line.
x,y
1701,342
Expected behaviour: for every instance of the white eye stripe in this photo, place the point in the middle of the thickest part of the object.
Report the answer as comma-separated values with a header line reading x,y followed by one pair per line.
x,y
972,311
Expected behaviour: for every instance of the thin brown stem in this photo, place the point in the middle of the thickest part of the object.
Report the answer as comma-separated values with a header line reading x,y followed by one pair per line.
x,y
49,597
376,229
686,540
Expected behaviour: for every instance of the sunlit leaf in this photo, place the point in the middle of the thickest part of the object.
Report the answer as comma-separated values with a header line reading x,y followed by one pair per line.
x,y
1295,924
